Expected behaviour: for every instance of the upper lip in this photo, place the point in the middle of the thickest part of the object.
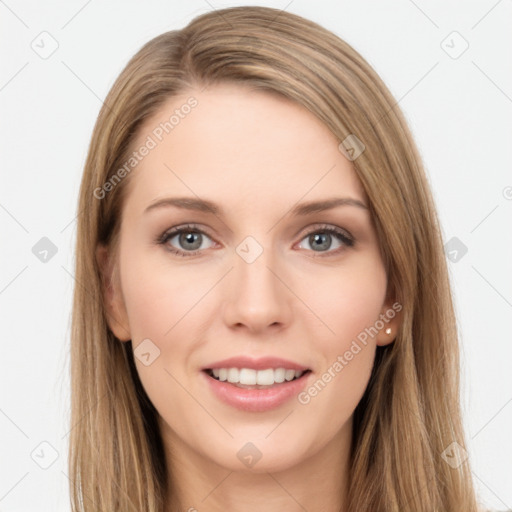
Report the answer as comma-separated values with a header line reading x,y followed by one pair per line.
x,y
261,363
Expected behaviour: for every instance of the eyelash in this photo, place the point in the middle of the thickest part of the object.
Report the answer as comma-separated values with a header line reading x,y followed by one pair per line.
x,y
342,236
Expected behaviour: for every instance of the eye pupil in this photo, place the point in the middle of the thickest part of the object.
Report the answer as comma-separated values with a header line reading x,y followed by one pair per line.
x,y
323,239
190,238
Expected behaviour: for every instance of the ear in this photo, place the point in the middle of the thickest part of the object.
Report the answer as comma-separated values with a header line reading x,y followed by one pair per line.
x,y
391,318
113,301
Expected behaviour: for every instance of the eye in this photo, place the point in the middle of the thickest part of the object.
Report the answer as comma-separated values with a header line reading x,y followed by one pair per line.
x,y
322,239
190,240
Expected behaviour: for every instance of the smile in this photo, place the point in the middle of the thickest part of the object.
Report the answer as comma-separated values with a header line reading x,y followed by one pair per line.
x,y
254,379
268,389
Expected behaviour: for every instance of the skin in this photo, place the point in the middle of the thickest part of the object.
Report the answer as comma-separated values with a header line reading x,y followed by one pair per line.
x,y
256,155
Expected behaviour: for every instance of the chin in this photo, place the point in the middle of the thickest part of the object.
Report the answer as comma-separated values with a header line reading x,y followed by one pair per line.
x,y
249,454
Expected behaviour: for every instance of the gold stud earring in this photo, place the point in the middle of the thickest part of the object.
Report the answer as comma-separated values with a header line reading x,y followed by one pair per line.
x,y
388,330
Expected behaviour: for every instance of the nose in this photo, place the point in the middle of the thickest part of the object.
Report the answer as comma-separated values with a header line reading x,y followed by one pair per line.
x,y
257,296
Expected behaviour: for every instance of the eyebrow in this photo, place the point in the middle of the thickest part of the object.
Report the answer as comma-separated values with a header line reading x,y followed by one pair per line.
x,y
205,206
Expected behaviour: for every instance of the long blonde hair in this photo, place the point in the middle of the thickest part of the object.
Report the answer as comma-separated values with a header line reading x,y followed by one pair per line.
x,y
410,412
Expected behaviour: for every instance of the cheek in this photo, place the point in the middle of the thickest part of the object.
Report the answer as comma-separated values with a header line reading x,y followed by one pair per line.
x,y
348,300
333,394
164,306
159,299
169,306
347,357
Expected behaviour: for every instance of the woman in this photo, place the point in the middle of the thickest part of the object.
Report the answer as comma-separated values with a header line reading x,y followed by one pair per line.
x,y
302,354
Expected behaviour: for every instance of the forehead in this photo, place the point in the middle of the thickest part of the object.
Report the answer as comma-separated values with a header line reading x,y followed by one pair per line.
x,y
242,145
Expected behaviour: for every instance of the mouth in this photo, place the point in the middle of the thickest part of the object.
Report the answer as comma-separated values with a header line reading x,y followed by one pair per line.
x,y
249,378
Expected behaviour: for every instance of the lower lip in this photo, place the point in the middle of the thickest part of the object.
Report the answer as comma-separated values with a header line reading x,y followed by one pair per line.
x,y
256,400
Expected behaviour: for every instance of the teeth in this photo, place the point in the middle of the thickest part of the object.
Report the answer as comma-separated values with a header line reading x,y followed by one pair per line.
x,y
233,375
289,374
250,377
265,377
279,375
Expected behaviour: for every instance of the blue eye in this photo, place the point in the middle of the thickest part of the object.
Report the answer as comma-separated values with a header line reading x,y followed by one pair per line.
x,y
322,239
190,240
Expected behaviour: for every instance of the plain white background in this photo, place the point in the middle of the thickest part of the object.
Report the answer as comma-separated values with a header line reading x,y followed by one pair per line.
x,y
457,101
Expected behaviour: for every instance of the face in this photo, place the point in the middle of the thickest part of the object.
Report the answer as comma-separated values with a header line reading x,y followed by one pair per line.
x,y
244,267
